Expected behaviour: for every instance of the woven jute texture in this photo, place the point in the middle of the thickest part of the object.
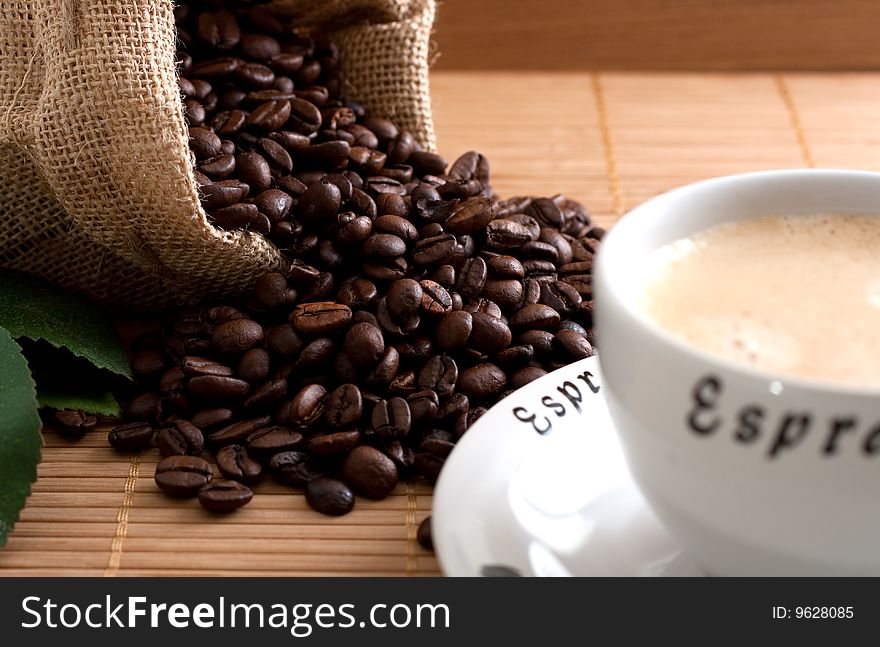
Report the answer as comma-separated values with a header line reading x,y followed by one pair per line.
x,y
97,192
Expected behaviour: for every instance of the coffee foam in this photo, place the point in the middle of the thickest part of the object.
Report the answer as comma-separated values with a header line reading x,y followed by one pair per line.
x,y
796,295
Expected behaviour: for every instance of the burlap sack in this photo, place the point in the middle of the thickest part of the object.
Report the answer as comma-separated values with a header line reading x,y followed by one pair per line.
x,y
96,186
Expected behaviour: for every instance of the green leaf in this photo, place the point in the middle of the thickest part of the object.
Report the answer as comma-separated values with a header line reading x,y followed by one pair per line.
x,y
33,309
90,401
20,438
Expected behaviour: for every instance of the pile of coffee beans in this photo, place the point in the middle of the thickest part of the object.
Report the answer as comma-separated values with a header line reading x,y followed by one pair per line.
x,y
414,300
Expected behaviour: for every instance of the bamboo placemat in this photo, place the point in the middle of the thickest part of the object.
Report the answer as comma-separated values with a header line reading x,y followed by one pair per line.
x,y
608,140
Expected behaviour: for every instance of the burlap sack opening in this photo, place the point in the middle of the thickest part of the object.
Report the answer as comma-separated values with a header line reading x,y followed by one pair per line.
x,y
97,193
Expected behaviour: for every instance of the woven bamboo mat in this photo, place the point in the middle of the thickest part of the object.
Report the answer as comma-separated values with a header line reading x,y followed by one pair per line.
x,y
609,140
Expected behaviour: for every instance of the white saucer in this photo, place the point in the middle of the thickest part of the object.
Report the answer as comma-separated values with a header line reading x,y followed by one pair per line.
x,y
512,501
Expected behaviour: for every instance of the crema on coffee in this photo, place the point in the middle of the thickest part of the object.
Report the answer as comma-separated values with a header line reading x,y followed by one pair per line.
x,y
796,295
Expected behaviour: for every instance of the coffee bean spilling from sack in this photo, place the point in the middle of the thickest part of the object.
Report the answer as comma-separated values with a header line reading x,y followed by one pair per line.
x,y
415,299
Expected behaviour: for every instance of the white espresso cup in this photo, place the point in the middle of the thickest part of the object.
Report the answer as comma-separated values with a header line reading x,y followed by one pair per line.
x,y
773,503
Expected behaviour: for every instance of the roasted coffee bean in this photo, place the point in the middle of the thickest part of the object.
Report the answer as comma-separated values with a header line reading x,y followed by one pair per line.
x,y
470,165
439,374
320,318
558,241
370,472
503,235
195,366
546,212
316,353
489,334
224,495
423,406
363,137
150,364
525,375
319,203
236,464
204,143
384,129
282,341
423,534
398,226
194,112
445,276
531,292
560,296
339,443
482,381
429,465
237,336
183,476
254,76
471,277
268,441
540,340
329,496
386,369
221,194
219,29
344,406
144,407
576,268
267,394
305,118
306,407
356,230
568,324
404,299
274,153
384,245
131,437
268,116
219,167
237,432
210,418
253,169
364,344
574,344
391,418
255,364
506,267
237,216
507,293
327,155
539,270
260,47
403,383
295,468
400,172
215,68
515,355
321,289
434,250
455,406
181,438
271,291
401,147
535,316
454,330
435,299
425,163
471,216
357,293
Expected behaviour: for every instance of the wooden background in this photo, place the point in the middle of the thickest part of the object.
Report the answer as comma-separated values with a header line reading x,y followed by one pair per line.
x,y
659,34
610,139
